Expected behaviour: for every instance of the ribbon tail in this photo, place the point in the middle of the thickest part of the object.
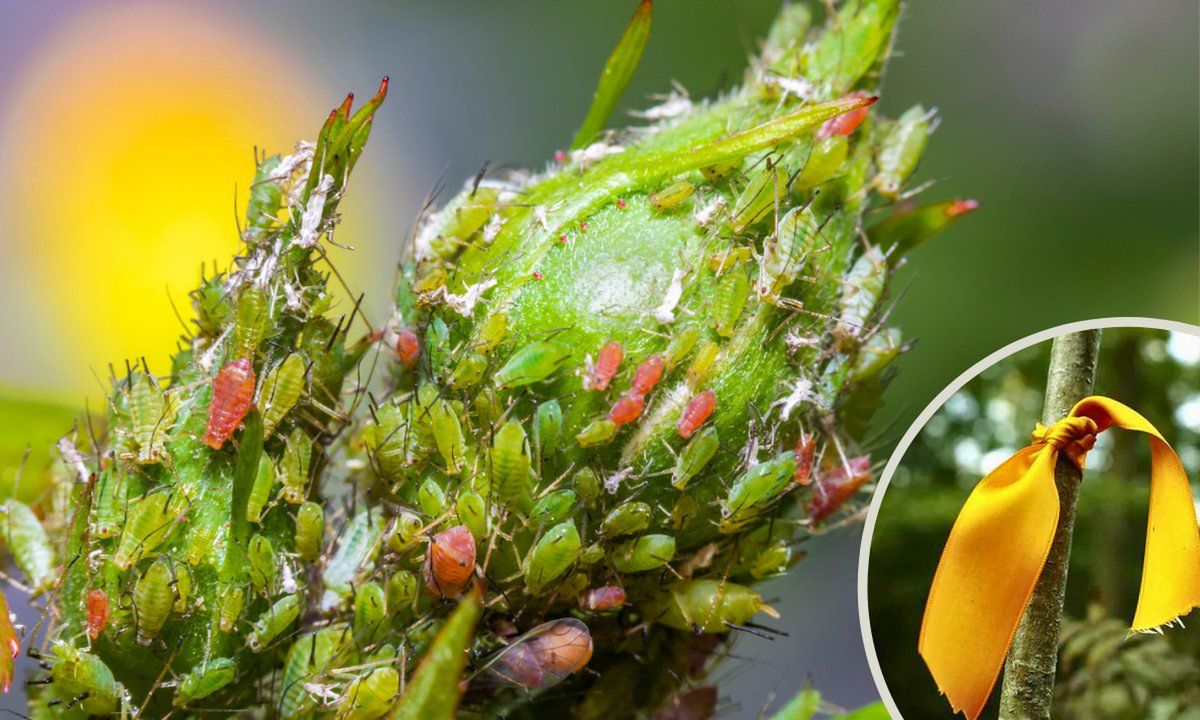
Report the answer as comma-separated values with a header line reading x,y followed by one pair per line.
x,y
989,567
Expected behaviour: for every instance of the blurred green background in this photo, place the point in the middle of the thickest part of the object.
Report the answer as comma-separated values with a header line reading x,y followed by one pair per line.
x,y
126,131
1155,372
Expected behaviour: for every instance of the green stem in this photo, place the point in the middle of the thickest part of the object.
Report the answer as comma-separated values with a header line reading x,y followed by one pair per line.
x,y
1029,671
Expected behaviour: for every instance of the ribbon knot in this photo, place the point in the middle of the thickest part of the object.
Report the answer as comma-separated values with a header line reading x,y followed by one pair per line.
x,y
1072,436
1002,537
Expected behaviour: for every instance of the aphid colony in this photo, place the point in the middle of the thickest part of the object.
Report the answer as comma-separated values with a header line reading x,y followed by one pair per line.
x,y
617,394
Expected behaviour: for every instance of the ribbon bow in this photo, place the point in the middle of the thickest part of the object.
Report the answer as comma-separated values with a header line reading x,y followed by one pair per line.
x,y
1002,536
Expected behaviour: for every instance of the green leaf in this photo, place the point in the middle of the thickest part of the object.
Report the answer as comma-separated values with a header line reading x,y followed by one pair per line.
x,y
617,73
33,423
874,711
434,691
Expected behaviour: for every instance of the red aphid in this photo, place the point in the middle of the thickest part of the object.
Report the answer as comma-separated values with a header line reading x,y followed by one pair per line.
x,y
537,275
97,613
627,409
560,157
232,392
833,490
620,203
696,412
961,207
450,562
846,123
806,450
647,375
583,226
601,598
408,348
607,363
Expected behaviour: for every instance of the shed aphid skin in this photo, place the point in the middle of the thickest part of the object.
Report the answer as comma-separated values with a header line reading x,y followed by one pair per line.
x,y
232,393
497,497
29,544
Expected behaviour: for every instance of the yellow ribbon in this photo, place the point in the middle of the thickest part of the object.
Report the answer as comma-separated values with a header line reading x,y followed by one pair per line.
x,y
1002,537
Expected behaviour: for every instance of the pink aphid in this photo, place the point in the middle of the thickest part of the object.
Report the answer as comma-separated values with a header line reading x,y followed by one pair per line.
x,y
627,409
607,363
847,123
232,392
647,376
833,490
450,562
696,412
961,207
806,450
601,598
408,348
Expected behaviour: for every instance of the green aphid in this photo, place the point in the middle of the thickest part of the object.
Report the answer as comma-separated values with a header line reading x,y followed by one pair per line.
x,y
729,257
229,609
548,425
310,530
899,233
437,346
587,485
682,343
685,509
263,570
151,413
181,581
472,511
901,150
533,363
551,556
824,161
733,290
448,435
406,530
591,554
309,660
207,678
552,508
293,467
403,588
719,171
647,552
370,612
29,544
707,605
260,491
695,456
626,519
508,462
152,600
370,696
108,507
468,371
861,293
431,497
266,200
773,560
598,432
492,332
78,674
702,365
758,201
150,522
201,539
784,252
280,390
388,443
754,489
671,197
211,305
251,323
274,621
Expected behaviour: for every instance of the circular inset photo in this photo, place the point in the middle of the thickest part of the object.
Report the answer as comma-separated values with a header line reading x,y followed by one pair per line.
x,y
1033,550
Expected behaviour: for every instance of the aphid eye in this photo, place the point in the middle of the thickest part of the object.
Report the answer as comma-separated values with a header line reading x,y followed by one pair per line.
x,y
449,562
553,554
97,613
697,411
647,375
607,362
232,393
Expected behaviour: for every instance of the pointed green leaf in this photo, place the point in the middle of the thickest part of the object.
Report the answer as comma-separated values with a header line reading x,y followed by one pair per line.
x,y
617,73
434,691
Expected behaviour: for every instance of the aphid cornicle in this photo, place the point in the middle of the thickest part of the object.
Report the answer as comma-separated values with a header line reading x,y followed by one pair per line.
x,y
647,552
708,605
232,393
697,411
260,491
626,519
204,680
694,456
293,468
533,363
602,598
152,599
97,613
671,197
733,289
508,461
551,556
310,530
449,562
370,696
544,656
150,521
280,391
230,608
754,489
29,544
607,362
262,569
80,674
274,621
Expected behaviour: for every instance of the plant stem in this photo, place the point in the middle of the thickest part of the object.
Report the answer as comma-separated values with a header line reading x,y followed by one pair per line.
x,y
1029,670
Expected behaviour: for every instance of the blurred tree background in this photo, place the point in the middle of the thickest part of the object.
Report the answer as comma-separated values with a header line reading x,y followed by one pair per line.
x,y
1101,675
127,126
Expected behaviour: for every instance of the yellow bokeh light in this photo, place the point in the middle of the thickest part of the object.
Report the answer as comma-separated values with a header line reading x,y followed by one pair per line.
x,y
123,145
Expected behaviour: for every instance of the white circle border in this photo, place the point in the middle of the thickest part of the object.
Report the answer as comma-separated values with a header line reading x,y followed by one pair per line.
x,y
864,552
